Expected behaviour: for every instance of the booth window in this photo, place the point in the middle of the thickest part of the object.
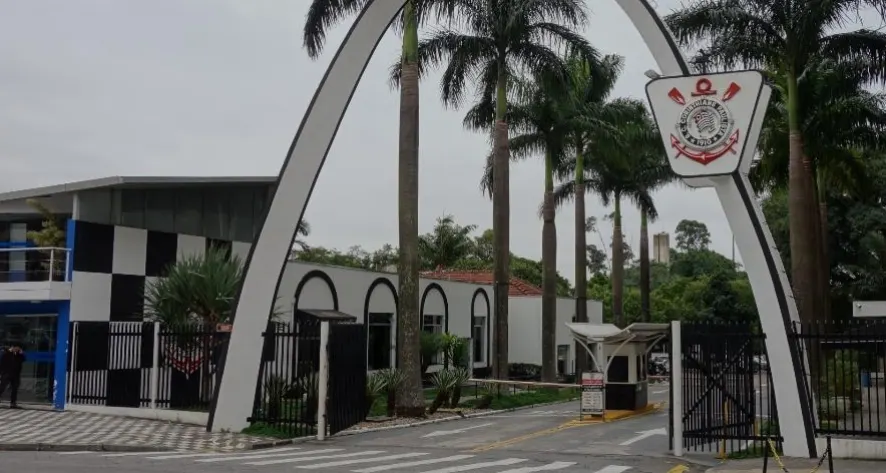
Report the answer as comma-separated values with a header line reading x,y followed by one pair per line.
x,y
618,370
641,368
379,341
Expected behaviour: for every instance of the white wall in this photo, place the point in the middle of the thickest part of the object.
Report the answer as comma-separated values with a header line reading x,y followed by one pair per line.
x,y
350,289
524,328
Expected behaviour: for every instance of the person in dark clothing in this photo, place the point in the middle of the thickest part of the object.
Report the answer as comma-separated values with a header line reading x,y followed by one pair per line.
x,y
11,372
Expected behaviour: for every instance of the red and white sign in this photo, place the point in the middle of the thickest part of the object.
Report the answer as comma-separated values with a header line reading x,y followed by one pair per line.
x,y
705,121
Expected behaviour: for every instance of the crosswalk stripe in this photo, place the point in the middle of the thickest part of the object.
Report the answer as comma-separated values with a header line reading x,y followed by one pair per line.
x,y
220,454
76,453
270,455
132,454
613,469
477,466
363,460
548,467
318,457
431,461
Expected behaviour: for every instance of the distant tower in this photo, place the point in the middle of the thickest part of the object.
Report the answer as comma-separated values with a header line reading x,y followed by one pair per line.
x,y
661,248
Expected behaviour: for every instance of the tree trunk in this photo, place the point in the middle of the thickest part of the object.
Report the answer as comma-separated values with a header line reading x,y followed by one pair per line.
x,y
549,279
410,401
581,261
617,265
501,223
823,255
645,283
801,199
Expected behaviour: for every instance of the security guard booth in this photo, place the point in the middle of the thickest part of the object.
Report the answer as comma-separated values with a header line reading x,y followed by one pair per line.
x,y
621,354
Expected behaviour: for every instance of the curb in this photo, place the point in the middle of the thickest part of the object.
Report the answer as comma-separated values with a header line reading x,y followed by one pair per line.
x,y
446,419
279,443
70,447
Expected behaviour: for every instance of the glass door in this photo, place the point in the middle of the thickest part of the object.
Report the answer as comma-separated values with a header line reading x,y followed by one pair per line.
x,y
37,336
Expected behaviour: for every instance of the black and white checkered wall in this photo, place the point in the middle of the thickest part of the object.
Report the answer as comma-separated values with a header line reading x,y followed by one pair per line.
x,y
112,266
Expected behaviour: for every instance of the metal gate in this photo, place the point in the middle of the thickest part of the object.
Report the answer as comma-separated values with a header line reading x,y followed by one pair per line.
x,y
728,403
347,402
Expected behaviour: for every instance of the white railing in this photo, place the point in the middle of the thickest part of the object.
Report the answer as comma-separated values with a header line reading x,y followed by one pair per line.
x,y
35,264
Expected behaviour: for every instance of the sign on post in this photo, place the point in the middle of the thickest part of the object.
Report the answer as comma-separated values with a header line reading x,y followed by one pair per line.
x,y
592,400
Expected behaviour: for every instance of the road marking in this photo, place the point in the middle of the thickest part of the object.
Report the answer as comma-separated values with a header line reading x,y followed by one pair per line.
x,y
515,440
267,455
613,469
220,454
131,454
363,460
477,466
659,392
76,453
375,469
318,457
645,435
548,467
438,433
679,469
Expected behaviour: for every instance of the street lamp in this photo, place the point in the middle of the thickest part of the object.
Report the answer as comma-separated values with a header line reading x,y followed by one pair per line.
x,y
652,74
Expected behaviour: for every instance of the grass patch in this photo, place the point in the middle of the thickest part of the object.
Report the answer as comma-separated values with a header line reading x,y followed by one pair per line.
x,y
527,398
261,429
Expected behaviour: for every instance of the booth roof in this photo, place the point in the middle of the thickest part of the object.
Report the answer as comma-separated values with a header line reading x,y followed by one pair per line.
x,y
608,333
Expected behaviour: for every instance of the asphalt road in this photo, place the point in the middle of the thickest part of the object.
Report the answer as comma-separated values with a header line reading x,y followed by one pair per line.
x,y
536,440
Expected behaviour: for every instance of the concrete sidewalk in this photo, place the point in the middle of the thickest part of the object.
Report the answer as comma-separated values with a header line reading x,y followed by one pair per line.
x,y
799,465
32,429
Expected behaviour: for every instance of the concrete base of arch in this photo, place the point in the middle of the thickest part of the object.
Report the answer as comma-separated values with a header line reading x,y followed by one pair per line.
x,y
267,258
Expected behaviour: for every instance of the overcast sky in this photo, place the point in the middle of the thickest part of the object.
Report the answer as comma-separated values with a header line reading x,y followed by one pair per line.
x,y
92,88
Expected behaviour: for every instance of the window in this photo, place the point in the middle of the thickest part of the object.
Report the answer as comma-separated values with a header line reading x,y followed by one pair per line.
x,y
380,343
562,358
433,324
478,336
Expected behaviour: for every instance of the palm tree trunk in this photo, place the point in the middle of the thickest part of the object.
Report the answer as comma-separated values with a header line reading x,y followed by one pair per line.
x,y
617,265
501,223
410,399
645,283
581,260
824,259
549,279
801,200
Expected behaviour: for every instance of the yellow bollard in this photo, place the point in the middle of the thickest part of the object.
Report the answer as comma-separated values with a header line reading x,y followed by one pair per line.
x,y
722,455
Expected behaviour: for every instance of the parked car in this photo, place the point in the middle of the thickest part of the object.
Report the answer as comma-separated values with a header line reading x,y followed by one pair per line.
x,y
761,363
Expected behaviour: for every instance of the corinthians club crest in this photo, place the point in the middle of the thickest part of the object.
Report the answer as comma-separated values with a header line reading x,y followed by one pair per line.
x,y
705,129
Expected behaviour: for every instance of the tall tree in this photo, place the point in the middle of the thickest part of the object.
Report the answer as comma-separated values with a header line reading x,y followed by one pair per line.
x,y
654,173
840,118
692,235
492,42
322,15
616,174
535,114
785,36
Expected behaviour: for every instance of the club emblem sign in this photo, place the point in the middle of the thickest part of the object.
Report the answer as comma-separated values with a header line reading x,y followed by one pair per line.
x,y
704,120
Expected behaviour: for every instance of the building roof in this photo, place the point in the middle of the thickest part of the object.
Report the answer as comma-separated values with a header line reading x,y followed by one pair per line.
x,y
132,181
518,288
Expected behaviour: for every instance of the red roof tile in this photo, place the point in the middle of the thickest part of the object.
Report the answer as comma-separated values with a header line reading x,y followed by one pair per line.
x,y
518,288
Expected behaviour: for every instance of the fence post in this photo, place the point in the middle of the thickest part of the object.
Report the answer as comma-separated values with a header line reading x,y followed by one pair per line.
x,y
677,388
155,368
51,263
71,378
323,382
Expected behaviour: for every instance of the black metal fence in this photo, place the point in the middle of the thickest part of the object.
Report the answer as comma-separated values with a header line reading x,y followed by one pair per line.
x,y
286,397
845,375
728,402
143,364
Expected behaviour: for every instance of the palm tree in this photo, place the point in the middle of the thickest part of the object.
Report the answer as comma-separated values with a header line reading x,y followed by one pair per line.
x,y
654,174
786,36
535,113
447,244
617,172
840,118
322,15
493,41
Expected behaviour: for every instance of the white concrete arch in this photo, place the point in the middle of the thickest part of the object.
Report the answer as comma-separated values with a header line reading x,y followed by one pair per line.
x,y
268,255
